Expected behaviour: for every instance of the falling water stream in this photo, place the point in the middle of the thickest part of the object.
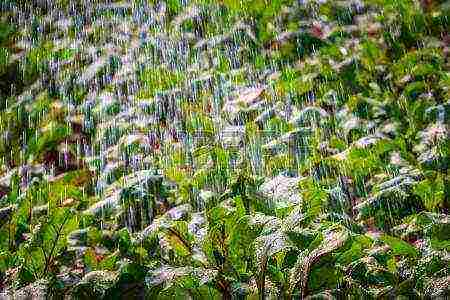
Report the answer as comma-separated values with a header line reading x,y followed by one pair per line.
x,y
144,108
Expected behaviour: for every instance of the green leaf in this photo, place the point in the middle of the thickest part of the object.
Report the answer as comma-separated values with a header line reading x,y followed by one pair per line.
x,y
90,259
356,251
400,247
332,240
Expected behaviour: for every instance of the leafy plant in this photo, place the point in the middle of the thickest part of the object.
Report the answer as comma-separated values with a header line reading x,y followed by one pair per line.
x,y
47,243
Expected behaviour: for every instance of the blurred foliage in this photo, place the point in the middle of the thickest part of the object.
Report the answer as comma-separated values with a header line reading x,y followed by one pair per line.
x,y
338,186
